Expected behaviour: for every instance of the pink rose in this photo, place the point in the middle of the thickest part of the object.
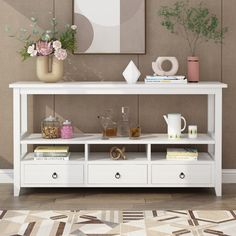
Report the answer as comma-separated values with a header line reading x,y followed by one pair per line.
x,y
60,54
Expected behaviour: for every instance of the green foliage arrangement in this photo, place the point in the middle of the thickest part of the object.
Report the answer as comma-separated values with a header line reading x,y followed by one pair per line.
x,y
194,23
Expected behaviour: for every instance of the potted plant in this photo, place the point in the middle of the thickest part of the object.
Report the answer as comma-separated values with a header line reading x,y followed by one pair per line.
x,y
49,47
196,25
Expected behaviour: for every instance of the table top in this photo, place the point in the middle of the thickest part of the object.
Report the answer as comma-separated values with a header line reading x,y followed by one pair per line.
x,y
113,84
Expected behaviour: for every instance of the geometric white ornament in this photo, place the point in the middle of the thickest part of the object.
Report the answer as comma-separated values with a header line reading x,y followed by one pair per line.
x,y
131,73
157,66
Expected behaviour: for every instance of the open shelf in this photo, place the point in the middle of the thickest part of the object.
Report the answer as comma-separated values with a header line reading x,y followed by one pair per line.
x,y
105,157
96,139
74,157
160,157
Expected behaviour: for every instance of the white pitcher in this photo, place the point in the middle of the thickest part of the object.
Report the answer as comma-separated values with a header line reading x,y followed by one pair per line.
x,y
173,121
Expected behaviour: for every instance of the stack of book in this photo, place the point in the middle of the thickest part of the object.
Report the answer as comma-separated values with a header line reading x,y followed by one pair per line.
x,y
60,153
185,154
166,79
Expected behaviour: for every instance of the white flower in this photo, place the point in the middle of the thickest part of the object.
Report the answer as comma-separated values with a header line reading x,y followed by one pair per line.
x,y
60,54
34,53
74,27
56,44
31,49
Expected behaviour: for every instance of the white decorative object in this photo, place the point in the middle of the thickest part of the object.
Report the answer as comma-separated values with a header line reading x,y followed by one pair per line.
x,y
157,66
131,73
192,131
174,125
146,169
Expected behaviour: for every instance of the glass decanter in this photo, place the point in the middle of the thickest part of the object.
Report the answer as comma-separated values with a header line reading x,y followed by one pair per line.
x,y
123,125
108,125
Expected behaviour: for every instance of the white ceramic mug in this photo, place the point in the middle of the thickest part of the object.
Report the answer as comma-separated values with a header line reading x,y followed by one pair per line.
x,y
173,121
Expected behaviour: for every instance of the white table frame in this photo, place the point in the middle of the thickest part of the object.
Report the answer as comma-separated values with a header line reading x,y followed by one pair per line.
x,y
21,91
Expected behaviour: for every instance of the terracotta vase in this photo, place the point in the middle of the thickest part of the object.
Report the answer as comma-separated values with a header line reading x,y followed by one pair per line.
x,y
193,69
43,69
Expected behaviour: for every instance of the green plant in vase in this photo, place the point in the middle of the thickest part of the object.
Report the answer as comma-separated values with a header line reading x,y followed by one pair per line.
x,y
196,25
49,47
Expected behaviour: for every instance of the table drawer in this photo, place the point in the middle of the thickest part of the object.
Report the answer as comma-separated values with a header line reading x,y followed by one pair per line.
x,y
117,174
181,174
53,174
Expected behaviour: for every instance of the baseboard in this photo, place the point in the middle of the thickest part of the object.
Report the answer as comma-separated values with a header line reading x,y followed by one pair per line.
x,y
228,176
6,176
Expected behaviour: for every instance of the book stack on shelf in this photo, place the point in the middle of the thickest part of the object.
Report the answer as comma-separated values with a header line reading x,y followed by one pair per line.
x,y
60,153
166,79
184,154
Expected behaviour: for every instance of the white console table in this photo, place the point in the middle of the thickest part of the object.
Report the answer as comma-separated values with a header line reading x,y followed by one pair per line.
x,y
94,169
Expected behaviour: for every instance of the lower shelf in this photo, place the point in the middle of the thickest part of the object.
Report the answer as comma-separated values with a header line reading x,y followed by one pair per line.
x,y
74,158
132,157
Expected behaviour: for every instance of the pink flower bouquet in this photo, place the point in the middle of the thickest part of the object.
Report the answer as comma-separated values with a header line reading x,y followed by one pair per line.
x,y
49,42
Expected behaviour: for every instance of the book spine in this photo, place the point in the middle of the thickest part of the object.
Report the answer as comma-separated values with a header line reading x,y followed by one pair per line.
x,y
182,154
166,81
50,154
51,158
182,158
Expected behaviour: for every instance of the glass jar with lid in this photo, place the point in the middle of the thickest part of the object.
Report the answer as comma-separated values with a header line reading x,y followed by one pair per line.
x,y
50,128
67,130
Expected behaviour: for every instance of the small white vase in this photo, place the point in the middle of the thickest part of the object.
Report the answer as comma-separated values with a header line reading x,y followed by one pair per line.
x,y
42,69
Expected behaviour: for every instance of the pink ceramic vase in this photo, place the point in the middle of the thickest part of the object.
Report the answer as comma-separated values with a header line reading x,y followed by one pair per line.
x,y
193,69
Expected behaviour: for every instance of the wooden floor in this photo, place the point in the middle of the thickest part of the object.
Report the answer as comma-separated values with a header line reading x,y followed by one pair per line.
x,y
133,199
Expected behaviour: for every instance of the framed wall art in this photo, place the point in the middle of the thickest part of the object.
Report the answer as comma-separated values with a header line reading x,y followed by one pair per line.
x,y
110,26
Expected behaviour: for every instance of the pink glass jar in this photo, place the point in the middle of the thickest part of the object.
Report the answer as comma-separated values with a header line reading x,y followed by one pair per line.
x,y
66,130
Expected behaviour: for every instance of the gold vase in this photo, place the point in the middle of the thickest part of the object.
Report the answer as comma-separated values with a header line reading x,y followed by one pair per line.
x,y
43,65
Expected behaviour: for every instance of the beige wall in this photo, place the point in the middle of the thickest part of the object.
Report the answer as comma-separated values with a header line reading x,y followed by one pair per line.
x,y
217,63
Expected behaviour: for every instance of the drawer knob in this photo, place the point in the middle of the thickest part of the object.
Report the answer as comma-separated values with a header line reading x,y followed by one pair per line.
x,y
54,175
182,175
117,176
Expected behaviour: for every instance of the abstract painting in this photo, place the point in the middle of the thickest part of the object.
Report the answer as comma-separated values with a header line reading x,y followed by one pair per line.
x,y
110,26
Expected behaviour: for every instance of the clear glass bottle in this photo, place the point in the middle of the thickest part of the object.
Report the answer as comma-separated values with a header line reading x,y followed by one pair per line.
x,y
123,126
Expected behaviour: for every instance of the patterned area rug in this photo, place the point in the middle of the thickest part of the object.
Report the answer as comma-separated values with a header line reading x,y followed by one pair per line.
x,y
114,223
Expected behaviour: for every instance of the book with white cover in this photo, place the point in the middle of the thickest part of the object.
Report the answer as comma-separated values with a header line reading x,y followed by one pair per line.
x,y
182,158
50,158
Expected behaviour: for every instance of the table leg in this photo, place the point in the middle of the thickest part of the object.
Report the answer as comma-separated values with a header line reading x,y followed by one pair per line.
x,y
17,134
218,143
